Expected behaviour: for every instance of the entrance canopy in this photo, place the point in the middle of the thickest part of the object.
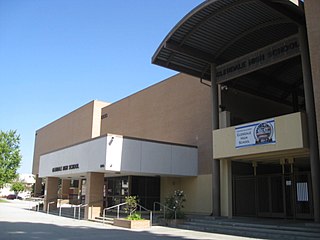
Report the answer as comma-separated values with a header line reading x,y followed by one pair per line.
x,y
115,154
222,31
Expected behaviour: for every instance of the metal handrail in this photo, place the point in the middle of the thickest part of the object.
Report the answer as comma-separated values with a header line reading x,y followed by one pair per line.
x,y
38,200
48,206
112,207
148,211
118,211
164,209
80,206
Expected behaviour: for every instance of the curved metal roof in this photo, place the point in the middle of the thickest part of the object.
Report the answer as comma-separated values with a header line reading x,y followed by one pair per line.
x,y
218,31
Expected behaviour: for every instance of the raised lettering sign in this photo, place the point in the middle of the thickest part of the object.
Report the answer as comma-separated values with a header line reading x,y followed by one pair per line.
x,y
65,168
274,53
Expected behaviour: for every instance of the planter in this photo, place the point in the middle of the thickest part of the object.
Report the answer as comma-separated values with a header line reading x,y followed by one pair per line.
x,y
133,224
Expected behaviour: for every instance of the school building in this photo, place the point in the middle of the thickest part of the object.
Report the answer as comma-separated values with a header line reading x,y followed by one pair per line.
x,y
236,130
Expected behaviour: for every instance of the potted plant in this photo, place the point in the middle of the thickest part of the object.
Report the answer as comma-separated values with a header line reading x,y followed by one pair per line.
x,y
134,219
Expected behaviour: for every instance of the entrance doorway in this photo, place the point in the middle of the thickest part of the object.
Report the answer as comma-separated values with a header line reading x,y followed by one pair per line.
x,y
147,189
287,195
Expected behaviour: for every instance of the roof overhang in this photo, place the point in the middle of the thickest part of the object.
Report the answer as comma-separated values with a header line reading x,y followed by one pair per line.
x,y
220,31
115,154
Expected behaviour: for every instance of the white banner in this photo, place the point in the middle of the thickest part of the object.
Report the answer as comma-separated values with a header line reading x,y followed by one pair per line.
x,y
253,134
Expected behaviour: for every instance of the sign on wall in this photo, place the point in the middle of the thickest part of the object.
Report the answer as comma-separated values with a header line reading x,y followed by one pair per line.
x,y
269,55
253,134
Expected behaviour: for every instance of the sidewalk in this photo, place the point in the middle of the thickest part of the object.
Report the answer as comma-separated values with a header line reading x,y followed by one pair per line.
x,y
17,222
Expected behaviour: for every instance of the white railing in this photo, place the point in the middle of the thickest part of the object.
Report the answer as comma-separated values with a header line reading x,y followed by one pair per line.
x,y
48,206
118,211
112,207
164,209
36,202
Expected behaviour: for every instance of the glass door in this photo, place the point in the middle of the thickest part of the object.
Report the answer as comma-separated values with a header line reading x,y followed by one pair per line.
x,y
270,191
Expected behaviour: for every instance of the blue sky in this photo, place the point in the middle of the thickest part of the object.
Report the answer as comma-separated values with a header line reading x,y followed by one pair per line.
x,y
58,55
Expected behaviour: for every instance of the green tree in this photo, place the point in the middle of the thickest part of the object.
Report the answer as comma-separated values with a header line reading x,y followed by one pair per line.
x,y
17,187
10,157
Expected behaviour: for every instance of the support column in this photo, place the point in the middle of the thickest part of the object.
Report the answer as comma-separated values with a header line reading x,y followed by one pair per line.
x,y
65,186
225,173
94,195
226,188
38,186
51,193
311,119
215,162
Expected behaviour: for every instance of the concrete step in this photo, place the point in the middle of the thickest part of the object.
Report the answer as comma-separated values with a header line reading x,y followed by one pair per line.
x,y
106,220
251,229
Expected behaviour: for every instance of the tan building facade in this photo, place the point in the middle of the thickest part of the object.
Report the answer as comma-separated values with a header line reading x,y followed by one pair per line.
x,y
167,124
262,59
78,126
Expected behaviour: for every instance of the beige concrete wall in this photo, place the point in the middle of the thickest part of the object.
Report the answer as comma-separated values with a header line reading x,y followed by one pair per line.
x,y
175,110
226,188
77,126
51,193
94,195
197,191
290,133
312,10
64,191
96,118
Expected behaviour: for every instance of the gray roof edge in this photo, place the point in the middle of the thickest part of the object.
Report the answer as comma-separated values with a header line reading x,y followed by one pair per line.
x,y
179,24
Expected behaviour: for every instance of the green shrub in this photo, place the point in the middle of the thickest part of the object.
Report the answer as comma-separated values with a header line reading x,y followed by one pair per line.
x,y
132,204
134,216
175,202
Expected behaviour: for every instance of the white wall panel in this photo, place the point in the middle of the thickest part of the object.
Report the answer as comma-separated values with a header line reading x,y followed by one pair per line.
x,y
184,160
114,153
131,156
156,158
88,156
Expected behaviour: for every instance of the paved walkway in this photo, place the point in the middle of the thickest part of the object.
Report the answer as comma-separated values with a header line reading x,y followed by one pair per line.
x,y
18,222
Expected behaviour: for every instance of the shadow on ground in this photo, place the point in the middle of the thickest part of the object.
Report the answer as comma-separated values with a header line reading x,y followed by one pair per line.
x,y
33,231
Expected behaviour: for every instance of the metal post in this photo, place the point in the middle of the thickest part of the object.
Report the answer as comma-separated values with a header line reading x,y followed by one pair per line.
x,y
74,211
118,209
48,206
150,218
311,119
215,162
60,210
103,215
79,216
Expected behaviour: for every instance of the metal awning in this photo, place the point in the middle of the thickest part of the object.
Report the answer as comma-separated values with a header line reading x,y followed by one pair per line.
x,y
218,31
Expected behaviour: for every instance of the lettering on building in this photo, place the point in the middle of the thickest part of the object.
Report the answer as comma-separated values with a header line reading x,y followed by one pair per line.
x,y
65,167
269,55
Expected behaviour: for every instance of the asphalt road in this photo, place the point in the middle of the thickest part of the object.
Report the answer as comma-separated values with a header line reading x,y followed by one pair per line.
x,y
17,221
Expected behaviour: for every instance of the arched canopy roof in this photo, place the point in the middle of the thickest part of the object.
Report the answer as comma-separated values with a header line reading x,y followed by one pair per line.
x,y
218,31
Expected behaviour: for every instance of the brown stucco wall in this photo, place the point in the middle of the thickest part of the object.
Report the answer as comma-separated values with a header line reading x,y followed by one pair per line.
x,y
176,110
77,126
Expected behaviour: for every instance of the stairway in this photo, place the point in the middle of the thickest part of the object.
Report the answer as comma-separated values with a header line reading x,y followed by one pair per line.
x,y
107,220
257,228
